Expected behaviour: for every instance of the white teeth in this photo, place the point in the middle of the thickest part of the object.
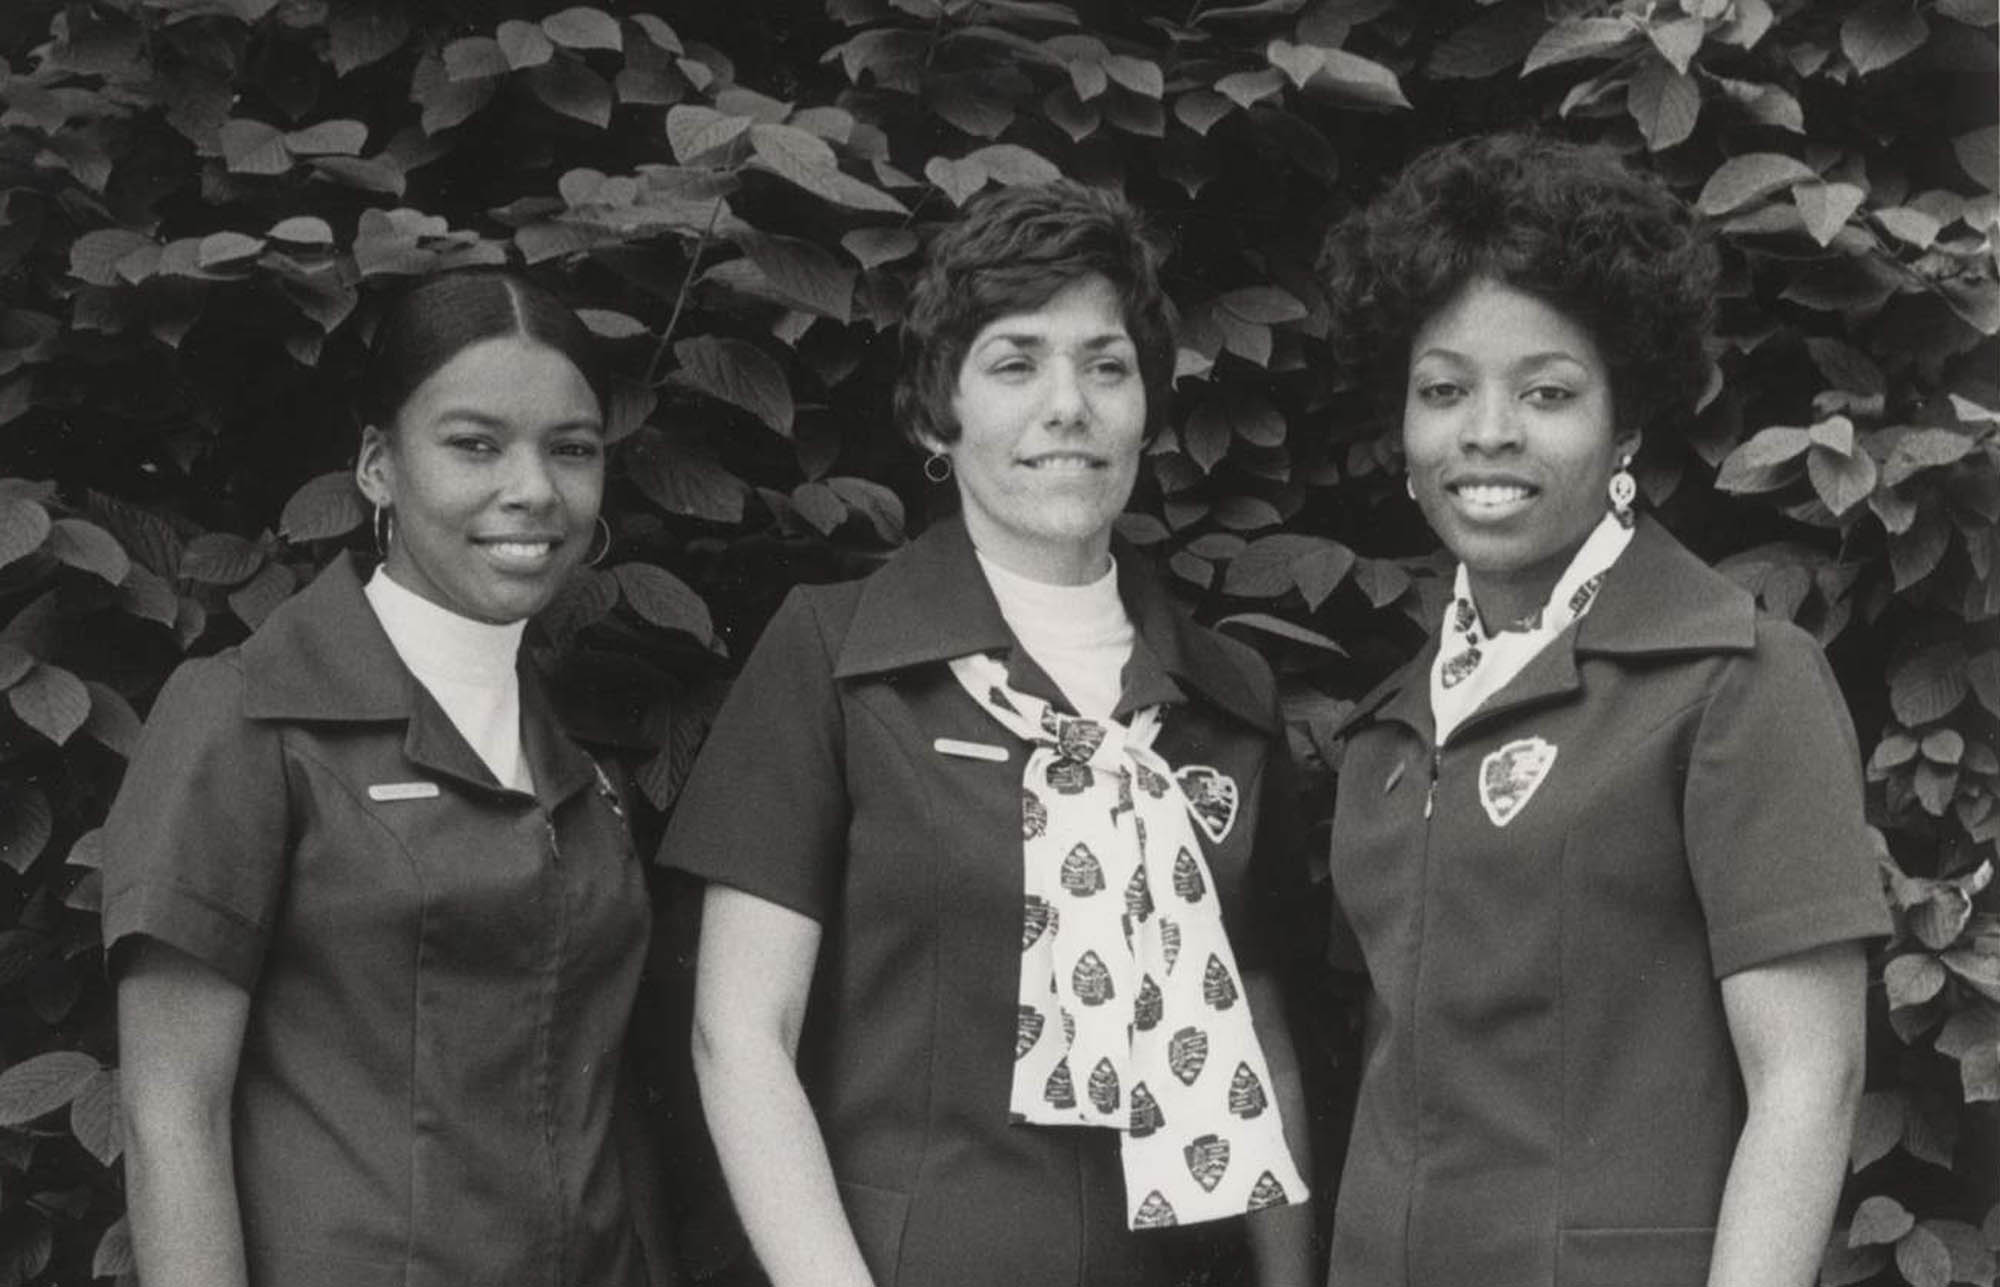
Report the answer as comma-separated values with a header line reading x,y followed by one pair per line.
x,y
1062,462
520,549
1492,493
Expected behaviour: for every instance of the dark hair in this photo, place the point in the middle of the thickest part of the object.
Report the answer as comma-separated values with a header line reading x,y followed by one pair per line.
x,y
1010,252
1570,224
434,320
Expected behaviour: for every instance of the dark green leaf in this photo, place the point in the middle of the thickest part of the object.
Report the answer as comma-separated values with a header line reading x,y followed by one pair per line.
x,y
1826,207
114,1258
1747,178
805,160
43,1084
875,246
326,507
1879,33
26,822
252,147
1575,38
740,374
94,257
52,701
328,138
95,1120
1274,565
1841,481
804,274
523,44
87,546
24,525
874,502
1879,1219
112,721
447,102
664,600
221,558
1664,103
1844,1266
1929,686
1910,979
1878,1122
1245,88
1241,513
1915,554
693,130
565,85
1278,626
584,28
1677,39
1978,152
1490,44
365,31
474,58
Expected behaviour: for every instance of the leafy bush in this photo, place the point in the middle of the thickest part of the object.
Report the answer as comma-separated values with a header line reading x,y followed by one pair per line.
x,y
205,200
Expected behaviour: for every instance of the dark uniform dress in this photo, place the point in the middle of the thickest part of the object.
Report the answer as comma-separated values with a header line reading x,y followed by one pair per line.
x,y
1669,793
440,969
823,790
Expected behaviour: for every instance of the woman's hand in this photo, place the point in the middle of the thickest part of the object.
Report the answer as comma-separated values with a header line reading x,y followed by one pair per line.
x,y
1799,1024
755,969
180,1031
1281,1239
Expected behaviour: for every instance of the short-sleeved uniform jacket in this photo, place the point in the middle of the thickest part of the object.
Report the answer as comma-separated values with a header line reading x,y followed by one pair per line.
x,y
821,789
1549,1096
441,970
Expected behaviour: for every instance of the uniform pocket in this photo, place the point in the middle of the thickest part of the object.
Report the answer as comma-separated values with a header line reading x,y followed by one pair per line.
x,y
1634,1257
877,1217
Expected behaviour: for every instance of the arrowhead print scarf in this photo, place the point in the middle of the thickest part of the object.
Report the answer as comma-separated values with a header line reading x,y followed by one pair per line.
x,y
1132,1016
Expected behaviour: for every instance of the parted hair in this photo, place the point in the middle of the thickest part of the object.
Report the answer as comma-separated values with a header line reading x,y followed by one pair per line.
x,y
1010,252
433,320
1571,224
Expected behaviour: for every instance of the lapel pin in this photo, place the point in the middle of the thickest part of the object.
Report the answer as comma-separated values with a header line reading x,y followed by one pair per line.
x,y
386,791
970,750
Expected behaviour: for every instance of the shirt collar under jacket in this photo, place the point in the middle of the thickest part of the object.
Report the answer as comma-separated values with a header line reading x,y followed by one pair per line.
x,y
322,656
931,603
1657,600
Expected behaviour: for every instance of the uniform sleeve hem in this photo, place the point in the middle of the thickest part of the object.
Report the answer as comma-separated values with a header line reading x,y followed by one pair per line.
x,y
1796,929
217,936
723,873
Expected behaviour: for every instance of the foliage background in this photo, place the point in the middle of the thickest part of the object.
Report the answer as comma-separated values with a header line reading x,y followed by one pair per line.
x,y
202,203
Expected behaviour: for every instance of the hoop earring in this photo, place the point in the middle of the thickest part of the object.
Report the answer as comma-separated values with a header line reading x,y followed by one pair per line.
x,y
598,558
1623,491
1410,486
937,467
384,529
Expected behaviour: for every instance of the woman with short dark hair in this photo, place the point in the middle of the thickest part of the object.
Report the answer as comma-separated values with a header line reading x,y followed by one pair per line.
x,y
1599,848
994,839
375,921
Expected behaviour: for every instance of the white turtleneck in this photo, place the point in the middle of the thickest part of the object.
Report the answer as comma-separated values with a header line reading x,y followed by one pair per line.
x,y
1079,634
466,665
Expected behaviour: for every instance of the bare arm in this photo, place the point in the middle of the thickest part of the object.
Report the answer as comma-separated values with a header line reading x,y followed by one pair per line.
x,y
755,968
180,1031
1798,1025
1281,1239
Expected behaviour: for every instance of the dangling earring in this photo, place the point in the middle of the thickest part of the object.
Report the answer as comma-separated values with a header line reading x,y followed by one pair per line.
x,y
937,467
1623,492
594,560
384,529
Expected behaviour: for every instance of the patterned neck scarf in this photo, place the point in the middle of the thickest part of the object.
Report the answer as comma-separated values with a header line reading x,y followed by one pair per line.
x,y
1131,1015
1472,665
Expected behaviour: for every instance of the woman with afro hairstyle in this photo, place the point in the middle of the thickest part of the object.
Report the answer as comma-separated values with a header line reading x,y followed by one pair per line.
x,y
1599,847
996,840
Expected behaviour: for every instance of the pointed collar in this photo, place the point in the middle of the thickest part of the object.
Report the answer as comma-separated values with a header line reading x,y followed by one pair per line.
x,y
1657,600
931,603
322,655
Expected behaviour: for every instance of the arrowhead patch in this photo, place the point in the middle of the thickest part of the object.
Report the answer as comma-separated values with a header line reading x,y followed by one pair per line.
x,y
1212,798
1510,776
